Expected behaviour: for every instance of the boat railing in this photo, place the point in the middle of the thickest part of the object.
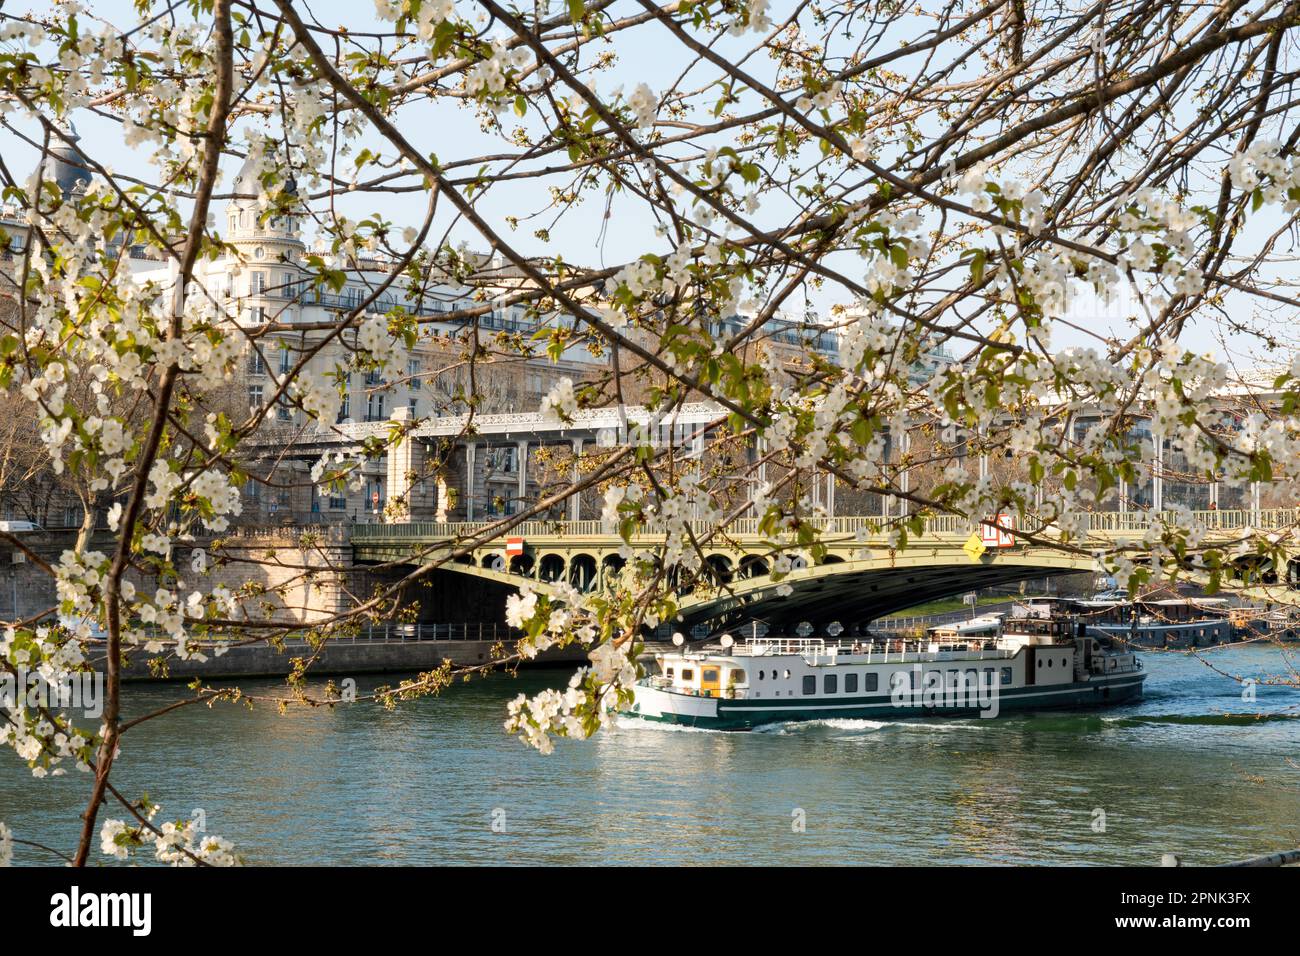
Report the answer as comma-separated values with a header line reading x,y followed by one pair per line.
x,y
764,646
874,651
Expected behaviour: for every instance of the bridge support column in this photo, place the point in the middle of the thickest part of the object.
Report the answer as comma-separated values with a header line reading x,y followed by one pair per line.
x,y
522,491
575,501
471,468
1158,474
403,468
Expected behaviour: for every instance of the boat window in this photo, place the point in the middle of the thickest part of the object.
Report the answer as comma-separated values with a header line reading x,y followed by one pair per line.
x,y
760,674
668,672
850,683
831,684
870,681
1006,675
737,676
711,675
1040,663
688,674
1050,662
810,684
787,673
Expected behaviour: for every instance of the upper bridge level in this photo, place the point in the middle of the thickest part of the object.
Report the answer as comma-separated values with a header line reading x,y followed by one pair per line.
x,y
861,575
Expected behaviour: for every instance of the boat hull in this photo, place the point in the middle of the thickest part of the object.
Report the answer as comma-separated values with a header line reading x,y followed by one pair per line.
x,y
712,713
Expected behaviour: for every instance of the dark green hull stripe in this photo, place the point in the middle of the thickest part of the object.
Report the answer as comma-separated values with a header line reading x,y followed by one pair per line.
x,y
743,714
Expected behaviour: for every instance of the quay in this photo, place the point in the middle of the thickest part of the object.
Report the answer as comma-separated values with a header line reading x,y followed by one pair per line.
x,y
384,649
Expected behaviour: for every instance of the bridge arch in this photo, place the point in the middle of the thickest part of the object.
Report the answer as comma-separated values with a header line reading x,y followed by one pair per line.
x,y
611,565
582,572
860,590
720,568
551,567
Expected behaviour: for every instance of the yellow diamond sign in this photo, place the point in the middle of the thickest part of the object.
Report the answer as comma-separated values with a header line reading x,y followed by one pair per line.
x,y
974,547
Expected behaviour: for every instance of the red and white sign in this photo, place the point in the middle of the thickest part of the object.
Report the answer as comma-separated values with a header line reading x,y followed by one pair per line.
x,y
514,547
1000,536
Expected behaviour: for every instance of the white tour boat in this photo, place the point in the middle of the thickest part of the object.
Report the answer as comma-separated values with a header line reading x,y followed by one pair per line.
x,y
1032,663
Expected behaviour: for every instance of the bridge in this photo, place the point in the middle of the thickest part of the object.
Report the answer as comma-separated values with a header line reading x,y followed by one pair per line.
x,y
859,578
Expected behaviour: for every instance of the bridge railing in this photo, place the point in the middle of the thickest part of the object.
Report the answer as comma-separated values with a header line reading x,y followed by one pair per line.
x,y
1112,522
409,633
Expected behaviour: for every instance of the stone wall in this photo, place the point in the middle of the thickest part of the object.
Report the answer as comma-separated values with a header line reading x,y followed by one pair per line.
x,y
304,575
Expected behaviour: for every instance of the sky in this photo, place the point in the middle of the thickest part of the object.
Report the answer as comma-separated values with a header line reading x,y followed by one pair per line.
x,y
587,234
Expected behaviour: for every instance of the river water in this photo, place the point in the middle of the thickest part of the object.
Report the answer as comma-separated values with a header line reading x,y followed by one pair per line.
x,y
1191,769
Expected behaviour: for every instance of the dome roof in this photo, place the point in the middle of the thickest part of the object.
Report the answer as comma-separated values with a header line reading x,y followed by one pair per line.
x,y
67,167
246,185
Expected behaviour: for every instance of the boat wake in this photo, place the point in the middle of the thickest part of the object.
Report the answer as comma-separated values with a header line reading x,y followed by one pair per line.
x,y
833,723
628,722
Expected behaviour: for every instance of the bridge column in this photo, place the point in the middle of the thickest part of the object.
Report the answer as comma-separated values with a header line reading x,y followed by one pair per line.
x,y
904,477
1157,477
402,461
522,491
471,468
575,501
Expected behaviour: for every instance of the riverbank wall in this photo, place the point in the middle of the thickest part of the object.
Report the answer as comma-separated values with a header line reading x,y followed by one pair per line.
x,y
337,659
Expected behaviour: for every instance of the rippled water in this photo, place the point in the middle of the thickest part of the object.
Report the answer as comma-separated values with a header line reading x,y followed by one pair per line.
x,y
1190,769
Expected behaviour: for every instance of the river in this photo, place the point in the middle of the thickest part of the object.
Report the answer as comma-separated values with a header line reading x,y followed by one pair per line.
x,y
1191,769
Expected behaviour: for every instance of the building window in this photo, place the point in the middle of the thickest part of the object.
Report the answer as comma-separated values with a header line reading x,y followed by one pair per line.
x,y
256,364
258,282
253,491
286,361
414,405
375,408
255,397
413,373
831,684
345,410
338,501
256,315
283,412
850,683
809,685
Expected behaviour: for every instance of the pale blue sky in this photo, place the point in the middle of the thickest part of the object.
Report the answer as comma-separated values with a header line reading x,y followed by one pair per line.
x,y
454,133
